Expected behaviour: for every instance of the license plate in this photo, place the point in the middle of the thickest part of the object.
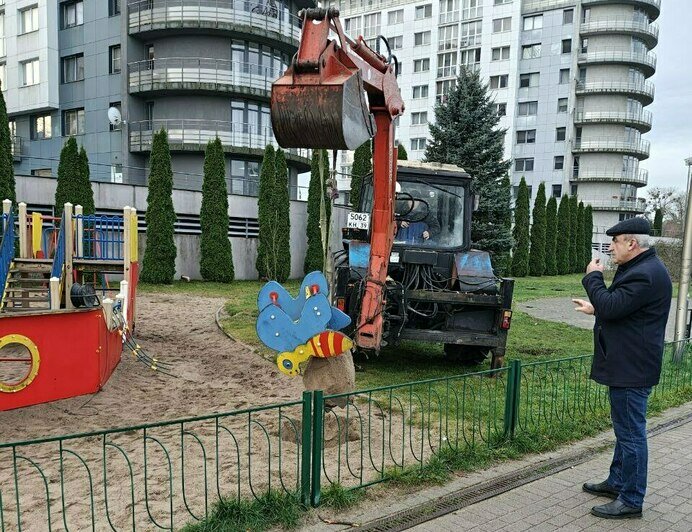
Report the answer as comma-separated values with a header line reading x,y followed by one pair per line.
x,y
358,220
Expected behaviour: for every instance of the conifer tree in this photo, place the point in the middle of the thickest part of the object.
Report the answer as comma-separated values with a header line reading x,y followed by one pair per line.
x,y
282,219
573,247
520,254
563,236
85,191
588,232
69,177
362,166
158,266
265,206
538,234
581,258
314,257
657,229
550,236
216,253
7,183
466,133
402,155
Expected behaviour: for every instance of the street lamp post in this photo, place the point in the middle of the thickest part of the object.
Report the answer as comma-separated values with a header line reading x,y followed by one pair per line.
x,y
681,315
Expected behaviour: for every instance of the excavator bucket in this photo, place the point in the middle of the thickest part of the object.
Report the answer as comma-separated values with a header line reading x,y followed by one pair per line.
x,y
321,111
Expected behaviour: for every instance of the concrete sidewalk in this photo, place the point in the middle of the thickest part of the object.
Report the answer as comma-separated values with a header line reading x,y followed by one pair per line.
x,y
557,502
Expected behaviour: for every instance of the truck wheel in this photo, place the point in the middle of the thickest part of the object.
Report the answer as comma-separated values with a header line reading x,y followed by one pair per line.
x,y
466,355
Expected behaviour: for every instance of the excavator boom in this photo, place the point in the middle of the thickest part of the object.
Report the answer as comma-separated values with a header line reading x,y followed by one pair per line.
x,y
337,95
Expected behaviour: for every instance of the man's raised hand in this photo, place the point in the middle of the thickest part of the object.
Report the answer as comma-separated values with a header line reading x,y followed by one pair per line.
x,y
583,306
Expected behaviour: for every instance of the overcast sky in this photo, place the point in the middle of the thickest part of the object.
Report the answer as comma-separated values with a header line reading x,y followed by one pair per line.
x,y
671,136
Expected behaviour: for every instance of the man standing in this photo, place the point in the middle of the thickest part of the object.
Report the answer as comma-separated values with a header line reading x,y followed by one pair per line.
x,y
631,318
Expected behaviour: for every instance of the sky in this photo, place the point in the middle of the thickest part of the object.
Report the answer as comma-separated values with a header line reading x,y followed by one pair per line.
x,y
671,135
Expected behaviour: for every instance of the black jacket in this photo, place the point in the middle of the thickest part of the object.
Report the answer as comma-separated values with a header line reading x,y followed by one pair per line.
x,y
631,318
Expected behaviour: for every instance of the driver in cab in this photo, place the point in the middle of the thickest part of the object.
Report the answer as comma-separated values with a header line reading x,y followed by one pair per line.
x,y
420,224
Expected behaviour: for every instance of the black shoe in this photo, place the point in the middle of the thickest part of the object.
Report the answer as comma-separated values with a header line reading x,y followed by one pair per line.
x,y
616,510
602,488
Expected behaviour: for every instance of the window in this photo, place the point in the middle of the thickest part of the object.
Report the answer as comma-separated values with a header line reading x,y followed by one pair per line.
x,y
584,48
395,17
420,91
449,11
371,25
423,11
568,16
352,26
500,109
447,37
113,7
527,136
28,19
564,76
471,33
421,38
523,165
41,127
527,109
557,191
73,68
562,105
418,144
534,22
500,54
114,61
559,162
73,122
72,14
575,166
502,24
421,65
471,9
499,82
42,172
582,75
118,106
585,15
501,2
531,51
30,72
529,80
471,58
447,65
3,77
418,119
396,43
560,134
2,34
567,46
443,89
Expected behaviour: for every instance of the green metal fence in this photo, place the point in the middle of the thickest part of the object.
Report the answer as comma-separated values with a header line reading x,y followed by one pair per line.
x,y
163,475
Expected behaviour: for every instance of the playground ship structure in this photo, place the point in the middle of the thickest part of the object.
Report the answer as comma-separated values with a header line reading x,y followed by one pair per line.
x,y
68,301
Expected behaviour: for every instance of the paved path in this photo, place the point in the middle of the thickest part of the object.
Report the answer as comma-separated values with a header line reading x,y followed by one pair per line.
x,y
557,502
561,309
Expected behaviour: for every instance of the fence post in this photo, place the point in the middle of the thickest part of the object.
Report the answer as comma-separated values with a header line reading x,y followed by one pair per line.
x,y
69,252
512,398
306,450
317,426
79,215
22,231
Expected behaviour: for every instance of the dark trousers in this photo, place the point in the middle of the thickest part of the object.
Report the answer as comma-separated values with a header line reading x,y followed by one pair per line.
x,y
631,456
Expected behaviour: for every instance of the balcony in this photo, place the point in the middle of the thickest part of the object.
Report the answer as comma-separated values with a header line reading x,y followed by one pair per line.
x,y
640,120
643,91
609,25
646,61
448,17
638,148
252,17
619,205
447,71
196,74
652,7
194,135
639,178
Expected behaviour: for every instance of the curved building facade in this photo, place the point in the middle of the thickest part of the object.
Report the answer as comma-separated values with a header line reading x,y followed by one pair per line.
x,y
614,62
204,68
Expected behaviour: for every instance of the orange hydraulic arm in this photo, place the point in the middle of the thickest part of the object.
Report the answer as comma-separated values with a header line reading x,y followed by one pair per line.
x,y
320,103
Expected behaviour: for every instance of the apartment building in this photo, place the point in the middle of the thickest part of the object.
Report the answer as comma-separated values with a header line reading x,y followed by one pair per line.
x,y
568,77
196,68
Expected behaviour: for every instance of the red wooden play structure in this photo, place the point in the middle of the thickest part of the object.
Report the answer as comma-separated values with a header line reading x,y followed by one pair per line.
x,y
68,293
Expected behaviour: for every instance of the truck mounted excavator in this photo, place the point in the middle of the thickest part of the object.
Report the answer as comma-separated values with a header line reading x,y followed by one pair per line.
x,y
407,270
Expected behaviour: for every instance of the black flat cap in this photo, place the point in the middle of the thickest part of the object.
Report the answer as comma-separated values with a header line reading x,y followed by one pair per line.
x,y
633,226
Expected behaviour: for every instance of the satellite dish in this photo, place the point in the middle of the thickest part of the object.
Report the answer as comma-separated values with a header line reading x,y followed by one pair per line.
x,y
114,116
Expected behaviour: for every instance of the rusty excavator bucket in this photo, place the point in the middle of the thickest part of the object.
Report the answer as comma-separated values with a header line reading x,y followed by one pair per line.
x,y
320,102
